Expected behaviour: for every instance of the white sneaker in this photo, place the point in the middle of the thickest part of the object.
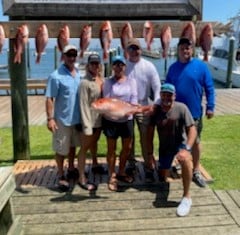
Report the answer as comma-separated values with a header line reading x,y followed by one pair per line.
x,y
184,206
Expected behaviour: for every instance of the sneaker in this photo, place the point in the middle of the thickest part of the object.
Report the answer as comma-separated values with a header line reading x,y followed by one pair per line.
x,y
149,176
198,179
184,207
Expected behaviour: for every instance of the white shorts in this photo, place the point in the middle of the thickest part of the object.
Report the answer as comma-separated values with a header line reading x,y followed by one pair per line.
x,y
64,138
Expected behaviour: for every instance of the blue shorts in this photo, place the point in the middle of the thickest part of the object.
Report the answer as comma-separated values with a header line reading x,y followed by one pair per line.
x,y
117,129
165,161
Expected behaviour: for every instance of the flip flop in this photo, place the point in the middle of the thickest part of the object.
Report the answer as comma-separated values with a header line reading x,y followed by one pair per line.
x,y
113,184
63,184
125,178
88,186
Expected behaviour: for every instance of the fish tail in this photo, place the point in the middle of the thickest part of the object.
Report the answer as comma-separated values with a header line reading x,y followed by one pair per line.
x,y
105,55
17,58
38,58
205,57
125,54
81,54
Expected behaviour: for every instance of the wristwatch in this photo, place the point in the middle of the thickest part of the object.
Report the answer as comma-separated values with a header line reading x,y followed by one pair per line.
x,y
187,147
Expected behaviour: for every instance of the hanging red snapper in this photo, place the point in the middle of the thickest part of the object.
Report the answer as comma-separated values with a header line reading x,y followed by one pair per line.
x,y
106,37
165,38
63,38
41,41
189,32
20,41
85,38
148,33
126,34
205,40
116,109
2,37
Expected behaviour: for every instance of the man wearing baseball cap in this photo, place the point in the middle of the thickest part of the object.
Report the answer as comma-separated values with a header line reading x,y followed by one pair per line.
x,y
192,80
148,87
177,134
62,109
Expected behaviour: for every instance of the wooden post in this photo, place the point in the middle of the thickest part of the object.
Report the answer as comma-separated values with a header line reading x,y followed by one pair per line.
x,y
230,63
20,130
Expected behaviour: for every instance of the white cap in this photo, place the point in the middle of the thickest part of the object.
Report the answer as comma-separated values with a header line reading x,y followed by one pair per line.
x,y
69,48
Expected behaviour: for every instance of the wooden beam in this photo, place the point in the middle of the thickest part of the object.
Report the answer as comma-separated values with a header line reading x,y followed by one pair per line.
x,y
76,26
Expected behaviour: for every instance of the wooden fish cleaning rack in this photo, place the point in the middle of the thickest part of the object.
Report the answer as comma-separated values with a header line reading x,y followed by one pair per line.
x,y
75,27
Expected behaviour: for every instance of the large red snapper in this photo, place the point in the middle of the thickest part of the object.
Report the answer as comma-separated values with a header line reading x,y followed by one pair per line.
x,y
165,38
148,33
205,40
2,37
19,42
85,38
41,41
126,34
189,32
106,36
116,109
63,38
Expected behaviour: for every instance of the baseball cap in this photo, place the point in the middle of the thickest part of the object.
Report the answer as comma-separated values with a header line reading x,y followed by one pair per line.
x,y
94,58
167,87
68,48
133,42
185,41
118,58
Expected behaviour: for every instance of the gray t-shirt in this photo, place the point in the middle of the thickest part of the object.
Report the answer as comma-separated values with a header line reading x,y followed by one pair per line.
x,y
171,127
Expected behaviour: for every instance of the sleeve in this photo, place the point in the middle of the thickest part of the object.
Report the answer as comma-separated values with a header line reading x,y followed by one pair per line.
x,y
52,87
134,94
155,83
209,90
86,118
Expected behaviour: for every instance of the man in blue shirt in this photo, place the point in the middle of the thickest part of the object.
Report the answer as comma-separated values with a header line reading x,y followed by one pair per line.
x,y
191,78
62,109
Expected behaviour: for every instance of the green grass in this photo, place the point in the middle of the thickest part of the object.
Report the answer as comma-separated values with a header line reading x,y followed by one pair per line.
x,y
220,148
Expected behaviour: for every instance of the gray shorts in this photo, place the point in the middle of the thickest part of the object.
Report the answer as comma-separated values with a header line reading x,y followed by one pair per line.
x,y
64,138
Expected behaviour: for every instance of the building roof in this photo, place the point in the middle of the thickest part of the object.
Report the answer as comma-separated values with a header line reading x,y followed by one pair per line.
x,y
102,9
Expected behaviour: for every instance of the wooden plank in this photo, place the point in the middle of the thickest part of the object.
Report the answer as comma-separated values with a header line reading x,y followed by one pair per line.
x,y
235,195
128,225
229,204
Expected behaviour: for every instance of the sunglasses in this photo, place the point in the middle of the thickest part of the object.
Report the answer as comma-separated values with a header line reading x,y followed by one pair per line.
x,y
119,64
133,48
71,55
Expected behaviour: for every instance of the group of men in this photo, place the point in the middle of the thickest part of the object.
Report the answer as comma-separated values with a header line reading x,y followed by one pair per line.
x,y
177,112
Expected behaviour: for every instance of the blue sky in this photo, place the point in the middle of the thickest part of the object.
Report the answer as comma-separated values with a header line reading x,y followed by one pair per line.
x,y
213,10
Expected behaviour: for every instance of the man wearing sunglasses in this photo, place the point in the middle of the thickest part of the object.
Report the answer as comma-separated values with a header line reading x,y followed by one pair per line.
x,y
62,109
148,85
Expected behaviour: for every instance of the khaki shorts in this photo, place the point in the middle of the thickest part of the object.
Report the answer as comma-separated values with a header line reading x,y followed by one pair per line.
x,y
64,138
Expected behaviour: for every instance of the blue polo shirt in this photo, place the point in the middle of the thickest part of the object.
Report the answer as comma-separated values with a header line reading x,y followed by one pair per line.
x,y
64,89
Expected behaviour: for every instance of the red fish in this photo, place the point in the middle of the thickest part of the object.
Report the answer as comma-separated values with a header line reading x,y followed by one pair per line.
x,y
2,37
63,38
41,40
85,38
115,108
126,34
148,33
165,37
205,40
189,32
106,37
21,40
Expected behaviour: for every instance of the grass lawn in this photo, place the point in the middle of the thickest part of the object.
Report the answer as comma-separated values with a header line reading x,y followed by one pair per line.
x,y
220,148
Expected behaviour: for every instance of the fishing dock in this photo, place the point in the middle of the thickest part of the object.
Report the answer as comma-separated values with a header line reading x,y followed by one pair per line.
x,y
137,208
